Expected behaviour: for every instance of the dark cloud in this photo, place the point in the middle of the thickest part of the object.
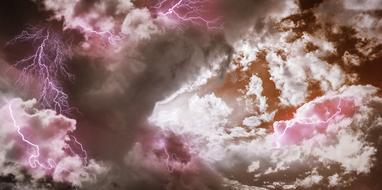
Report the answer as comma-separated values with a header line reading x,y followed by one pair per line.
x,y
12,22
115,95
126,96
308,4
244,15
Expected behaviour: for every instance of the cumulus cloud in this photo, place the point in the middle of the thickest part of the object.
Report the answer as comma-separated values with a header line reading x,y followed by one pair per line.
x,y
83,15
261,115
38,140
208,114
294,62
262,153
156,92
139,24
360,15
293,73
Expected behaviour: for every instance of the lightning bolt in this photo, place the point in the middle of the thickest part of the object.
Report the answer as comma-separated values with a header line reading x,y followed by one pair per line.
x,y
33,160
111,37
161,146
47,64
309,121
188,11
173,158
84,152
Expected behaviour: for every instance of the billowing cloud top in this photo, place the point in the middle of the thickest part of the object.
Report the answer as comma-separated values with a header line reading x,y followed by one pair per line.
x,y
191,94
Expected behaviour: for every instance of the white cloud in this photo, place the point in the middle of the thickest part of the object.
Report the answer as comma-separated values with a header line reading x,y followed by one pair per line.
x,y
343,144
351,151
48,131
362,4
353,13
200,118
254,166
292,75
334,180
139,25
256,120
255,87
310,180
78,14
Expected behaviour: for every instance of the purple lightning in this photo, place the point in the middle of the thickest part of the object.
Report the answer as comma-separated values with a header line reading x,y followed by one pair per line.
x,y
34,160
306,121
111,38
161,145
194,11
46,65
313,118
85,158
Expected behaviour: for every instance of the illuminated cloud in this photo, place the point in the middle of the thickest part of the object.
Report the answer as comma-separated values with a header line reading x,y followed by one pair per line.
x,y
38,141
196,94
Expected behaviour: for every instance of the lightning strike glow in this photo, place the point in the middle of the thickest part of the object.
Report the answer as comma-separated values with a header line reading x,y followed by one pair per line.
x,y
308,121
167,156
34,159
173,153
313,118
84,152
47,65
193,11
112,39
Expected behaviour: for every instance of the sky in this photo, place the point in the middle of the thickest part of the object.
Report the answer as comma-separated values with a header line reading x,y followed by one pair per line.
x,y
190,94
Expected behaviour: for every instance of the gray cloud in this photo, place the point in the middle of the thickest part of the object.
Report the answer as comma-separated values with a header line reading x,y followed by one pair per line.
x,y
117,89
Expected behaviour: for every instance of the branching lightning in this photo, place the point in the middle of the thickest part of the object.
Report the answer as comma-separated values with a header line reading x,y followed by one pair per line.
x,y
162,147
192,11
173,154
313,118
308,121
84,152
47,65
112,39
34,159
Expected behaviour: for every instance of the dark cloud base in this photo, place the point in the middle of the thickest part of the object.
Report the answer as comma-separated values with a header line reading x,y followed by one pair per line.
x,y
113,105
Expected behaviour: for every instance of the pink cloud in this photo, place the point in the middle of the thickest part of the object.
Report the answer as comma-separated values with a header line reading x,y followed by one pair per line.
x,y
312,118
